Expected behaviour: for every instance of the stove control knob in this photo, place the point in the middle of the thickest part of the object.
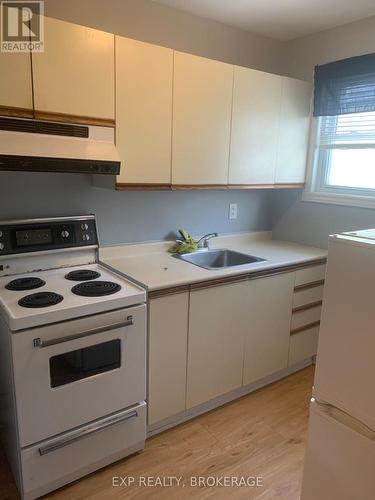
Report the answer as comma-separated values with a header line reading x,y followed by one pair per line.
x,y
1,246
84,227
1,234
64,234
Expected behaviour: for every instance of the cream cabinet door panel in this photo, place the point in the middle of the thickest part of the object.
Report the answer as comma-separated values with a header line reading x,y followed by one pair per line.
x,y
144,75
202,100
267,340
303,345
75,73
15,81
217,326
294,131
255,127
167,356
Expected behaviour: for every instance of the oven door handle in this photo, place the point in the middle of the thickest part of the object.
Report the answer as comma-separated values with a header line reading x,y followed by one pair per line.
x,y
94,331
88,431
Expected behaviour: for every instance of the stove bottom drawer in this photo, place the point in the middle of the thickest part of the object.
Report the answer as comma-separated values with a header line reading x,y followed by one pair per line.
x,y
61,460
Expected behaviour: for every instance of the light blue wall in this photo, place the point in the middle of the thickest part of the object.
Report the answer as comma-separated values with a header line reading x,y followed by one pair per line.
x,y
132,216
311,223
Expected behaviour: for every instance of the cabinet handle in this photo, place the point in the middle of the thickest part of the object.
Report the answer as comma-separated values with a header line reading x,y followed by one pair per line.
x,y
38,342
88,431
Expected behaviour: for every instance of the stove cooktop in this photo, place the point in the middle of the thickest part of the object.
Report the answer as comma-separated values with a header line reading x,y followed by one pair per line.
x,y
22,309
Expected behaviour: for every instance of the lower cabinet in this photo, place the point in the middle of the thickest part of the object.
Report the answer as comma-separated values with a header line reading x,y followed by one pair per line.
x,y
218,322
206,342
267,336
303,345
167,349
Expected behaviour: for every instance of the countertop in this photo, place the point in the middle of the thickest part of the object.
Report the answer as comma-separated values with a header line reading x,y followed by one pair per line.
x,y
152,266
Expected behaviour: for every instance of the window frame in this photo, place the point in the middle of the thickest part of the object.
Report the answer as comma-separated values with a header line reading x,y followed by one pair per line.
x,y
317,190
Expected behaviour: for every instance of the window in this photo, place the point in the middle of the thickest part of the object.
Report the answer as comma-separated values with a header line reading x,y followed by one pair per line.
x,y
342,156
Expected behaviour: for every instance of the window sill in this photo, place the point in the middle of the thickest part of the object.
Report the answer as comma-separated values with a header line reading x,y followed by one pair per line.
x,y
339,199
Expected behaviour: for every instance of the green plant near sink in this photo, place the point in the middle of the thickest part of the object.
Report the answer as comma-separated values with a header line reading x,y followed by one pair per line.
x,y
186,245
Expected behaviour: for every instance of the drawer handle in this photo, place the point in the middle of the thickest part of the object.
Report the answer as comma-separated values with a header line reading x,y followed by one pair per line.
x,y
88,431
47,343
306,286
305,327
307,306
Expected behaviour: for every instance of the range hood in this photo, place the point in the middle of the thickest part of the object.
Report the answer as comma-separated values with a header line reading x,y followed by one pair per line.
x,y
39,146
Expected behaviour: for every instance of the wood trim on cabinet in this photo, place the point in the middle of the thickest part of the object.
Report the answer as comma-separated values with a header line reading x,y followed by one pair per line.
x,y
132,186
306,286
305,327
155,186
16,112
155,294
267,186
237,186
290,185
198,186
307,306
254,275
226,280
84,120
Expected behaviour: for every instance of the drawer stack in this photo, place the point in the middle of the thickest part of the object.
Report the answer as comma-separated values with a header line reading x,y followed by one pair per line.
x,y
305,320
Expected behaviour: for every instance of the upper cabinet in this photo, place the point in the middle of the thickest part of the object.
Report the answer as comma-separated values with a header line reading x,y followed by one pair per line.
x,y
15,84
182,121
255,127
75,74
202,102
294,131
144,74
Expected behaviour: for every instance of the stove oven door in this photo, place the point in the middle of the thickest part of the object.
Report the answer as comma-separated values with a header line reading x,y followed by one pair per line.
x,y
73,372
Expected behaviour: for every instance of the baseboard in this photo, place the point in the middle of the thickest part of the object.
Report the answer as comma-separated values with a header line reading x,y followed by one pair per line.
x,y
179,418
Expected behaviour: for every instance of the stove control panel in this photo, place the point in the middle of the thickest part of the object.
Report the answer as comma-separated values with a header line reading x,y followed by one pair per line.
x,y
37,235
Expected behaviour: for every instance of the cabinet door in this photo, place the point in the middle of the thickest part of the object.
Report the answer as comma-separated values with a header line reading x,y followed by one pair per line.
x,y
15,84
255,126
202,100
217,325
167,356
75,73
144,75
267,338
294,130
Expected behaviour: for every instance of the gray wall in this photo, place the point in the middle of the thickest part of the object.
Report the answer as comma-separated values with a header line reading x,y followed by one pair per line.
x,y
354,39
310,222
132,216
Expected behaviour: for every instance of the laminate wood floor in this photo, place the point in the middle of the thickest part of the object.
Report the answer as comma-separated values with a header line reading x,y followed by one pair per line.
x,y
262,434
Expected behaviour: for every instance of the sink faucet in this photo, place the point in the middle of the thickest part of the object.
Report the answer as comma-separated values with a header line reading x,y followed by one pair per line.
x,y
203,242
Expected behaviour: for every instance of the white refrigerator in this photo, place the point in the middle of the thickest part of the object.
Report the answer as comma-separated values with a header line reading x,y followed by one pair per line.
x,y
340,456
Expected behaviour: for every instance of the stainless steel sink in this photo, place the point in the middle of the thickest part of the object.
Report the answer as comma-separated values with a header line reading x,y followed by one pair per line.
x,y
216,259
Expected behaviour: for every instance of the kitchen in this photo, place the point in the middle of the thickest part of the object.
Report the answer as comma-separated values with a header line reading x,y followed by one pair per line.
x,y
139,119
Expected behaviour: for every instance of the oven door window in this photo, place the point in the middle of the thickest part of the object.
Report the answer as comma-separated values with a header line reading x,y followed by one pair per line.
x,y
83,363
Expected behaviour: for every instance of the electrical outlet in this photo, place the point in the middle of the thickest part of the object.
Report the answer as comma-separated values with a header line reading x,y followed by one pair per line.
x,y
233,210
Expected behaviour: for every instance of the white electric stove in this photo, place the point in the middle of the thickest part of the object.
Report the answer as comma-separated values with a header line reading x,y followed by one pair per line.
x,y
72,354
67,304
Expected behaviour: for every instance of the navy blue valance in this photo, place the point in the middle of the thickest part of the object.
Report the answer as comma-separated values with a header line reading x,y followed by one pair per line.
x,y
346,86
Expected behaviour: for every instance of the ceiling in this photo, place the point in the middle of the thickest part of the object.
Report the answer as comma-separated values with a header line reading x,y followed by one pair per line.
x,y
280,19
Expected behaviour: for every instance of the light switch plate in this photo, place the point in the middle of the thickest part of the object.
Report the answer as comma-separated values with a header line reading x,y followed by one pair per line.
x,y
233,210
